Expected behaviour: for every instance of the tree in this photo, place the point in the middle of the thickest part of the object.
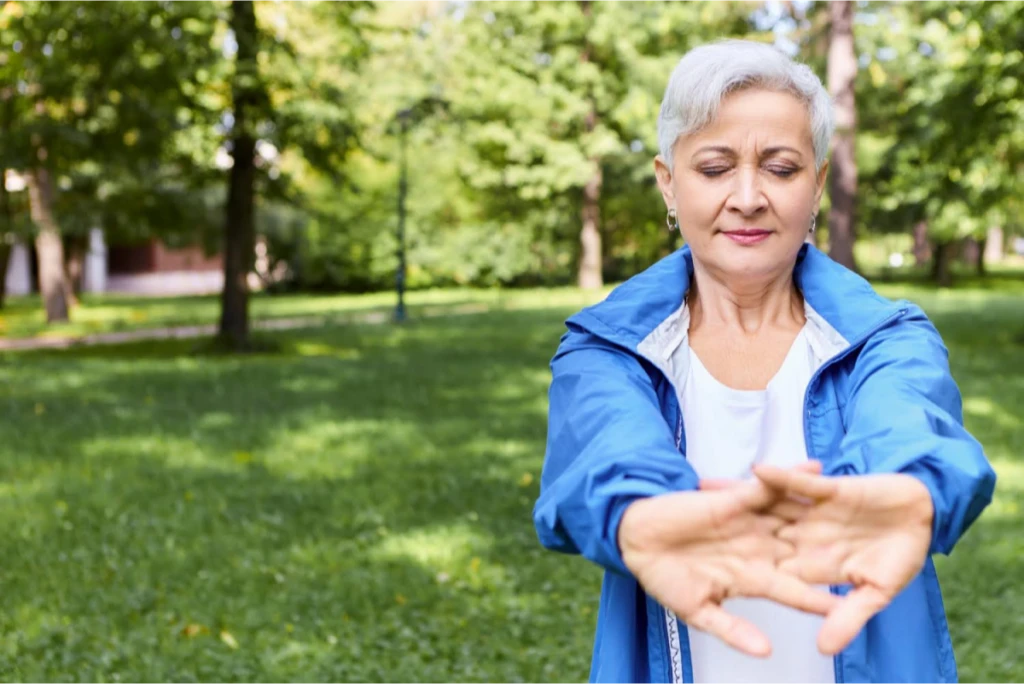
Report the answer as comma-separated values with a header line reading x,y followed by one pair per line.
x,y
98,99
247,94
943,106
842,72
53,286
559,103
288,95
6,220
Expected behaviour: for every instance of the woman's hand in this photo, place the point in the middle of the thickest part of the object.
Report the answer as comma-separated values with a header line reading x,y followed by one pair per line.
x,y
693,550
871,531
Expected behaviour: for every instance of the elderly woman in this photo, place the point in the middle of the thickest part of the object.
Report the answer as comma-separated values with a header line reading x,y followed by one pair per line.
x,y
693,412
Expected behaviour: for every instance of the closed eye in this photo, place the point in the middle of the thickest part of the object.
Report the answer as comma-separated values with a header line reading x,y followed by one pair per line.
x,y
782,171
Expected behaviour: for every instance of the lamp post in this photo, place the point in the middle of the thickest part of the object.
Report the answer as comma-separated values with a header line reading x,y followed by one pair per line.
x,y
403,120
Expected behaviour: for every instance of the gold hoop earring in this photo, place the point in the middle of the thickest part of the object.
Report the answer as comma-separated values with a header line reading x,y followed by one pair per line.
x,y
672,221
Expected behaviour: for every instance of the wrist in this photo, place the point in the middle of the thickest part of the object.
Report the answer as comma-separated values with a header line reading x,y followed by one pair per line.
x,y
629,524
919,505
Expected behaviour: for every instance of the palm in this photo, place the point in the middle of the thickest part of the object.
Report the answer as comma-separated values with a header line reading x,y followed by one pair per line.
x,y
693,550
872,532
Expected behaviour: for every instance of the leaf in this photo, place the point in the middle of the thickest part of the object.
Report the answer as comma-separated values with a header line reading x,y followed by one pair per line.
x,y
193,630
226,637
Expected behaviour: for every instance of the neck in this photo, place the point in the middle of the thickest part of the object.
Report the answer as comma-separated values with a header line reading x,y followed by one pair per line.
x,y
744,307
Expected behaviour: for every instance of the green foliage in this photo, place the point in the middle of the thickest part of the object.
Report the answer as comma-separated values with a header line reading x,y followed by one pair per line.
x,y
99,94
515,107
553,91
940,100
357,508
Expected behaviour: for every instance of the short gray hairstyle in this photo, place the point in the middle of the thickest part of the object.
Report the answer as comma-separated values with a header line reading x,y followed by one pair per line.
x,y
706,74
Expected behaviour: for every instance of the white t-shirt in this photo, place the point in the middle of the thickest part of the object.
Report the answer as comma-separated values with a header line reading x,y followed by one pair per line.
x,y
727,432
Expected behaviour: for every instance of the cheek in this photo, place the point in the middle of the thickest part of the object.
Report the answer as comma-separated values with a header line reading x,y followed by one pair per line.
x,y
698,203
794,204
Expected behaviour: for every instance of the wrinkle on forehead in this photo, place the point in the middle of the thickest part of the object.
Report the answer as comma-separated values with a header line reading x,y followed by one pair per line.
x,y
751,121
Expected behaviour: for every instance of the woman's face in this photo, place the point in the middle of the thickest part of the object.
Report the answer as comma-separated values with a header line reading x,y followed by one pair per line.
x,y
745,187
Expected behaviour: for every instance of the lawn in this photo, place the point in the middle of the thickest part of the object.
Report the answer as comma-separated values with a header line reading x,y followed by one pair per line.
x,y
357,506
24,316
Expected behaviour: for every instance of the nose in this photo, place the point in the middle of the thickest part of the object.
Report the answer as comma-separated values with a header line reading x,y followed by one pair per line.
x,y
746,196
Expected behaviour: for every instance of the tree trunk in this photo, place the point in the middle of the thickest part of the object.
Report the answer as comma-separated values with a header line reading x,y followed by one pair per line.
x,y
590,276
50,249
5,234
842,70
993,252
5,256
942,267
969,252
6,215
980,263
590,266
239,230
74,267
922,248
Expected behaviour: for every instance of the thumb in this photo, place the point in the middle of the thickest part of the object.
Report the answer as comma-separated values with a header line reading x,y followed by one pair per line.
x,y
717,484
809,467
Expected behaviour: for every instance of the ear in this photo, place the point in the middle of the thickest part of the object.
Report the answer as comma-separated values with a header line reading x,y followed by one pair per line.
x,y
663,174
822,175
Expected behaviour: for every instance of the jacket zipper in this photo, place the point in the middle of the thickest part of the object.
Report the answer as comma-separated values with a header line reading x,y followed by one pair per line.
x,y
837,659
672,635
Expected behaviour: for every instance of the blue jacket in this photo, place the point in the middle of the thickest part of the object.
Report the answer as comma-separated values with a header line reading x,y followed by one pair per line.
x,y
883,401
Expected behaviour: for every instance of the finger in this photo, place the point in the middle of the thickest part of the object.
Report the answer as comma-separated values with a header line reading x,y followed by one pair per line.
x,y
794,592
715,484
766,526
789,510
817,565
797,484
744,497
810,467
736,632
759,547
850,615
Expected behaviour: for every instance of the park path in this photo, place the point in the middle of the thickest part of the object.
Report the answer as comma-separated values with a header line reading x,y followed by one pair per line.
x,y
193,331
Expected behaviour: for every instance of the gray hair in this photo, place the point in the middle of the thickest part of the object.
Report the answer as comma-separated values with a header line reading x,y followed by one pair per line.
x,y
706,74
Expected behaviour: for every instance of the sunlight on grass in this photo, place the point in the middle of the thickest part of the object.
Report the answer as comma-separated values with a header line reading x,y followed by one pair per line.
x,y
320,447
174,452
1006,505
983,406
448,548
304,348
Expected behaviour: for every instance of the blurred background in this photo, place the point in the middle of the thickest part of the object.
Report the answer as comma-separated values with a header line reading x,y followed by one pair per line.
x,y
279,283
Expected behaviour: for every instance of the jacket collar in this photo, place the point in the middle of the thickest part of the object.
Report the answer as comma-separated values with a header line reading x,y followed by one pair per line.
x,y
648,315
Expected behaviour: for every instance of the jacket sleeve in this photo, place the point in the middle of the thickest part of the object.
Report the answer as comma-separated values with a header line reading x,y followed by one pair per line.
x,y
905,416
607,446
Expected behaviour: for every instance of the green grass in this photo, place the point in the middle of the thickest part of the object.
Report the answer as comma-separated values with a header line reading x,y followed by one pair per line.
x,y
24,316
357,506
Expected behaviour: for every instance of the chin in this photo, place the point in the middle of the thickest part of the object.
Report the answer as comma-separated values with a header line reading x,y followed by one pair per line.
x,y
746,263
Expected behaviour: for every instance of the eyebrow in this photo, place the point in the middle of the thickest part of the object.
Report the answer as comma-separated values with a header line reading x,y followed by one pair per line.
x,y
767,152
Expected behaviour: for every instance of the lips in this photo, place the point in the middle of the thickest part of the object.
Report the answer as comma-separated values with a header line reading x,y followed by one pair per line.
x,y
747,236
